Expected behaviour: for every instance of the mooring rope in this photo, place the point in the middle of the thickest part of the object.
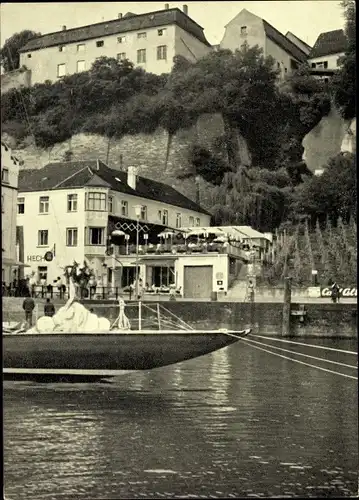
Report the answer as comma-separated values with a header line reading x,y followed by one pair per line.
x,y
306,345
305,355
249,342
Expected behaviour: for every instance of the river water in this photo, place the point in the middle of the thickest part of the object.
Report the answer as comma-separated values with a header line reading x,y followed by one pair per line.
x,y
241,422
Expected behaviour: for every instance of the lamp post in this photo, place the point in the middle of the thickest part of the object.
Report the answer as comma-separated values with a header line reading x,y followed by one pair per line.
x,y
138,209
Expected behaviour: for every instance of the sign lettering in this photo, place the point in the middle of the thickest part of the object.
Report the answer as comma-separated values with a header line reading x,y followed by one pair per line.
x,y
343,292
35,258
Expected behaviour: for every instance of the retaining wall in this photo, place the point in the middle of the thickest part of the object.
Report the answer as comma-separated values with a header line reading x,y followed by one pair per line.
x,y
322,320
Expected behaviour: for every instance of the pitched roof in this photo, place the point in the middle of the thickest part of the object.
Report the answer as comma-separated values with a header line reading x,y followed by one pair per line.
x,y
278,38
330,42
77,174
127,23
291,36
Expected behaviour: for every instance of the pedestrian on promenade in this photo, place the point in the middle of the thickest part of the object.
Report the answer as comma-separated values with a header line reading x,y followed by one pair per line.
x,y
28,305
49,308
335,292
250,291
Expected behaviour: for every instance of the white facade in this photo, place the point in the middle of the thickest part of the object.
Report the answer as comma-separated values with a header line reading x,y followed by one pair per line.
x,y
69,223
326,62
9,186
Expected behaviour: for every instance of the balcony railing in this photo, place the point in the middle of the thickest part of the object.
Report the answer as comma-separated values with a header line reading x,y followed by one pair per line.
x,y
181,249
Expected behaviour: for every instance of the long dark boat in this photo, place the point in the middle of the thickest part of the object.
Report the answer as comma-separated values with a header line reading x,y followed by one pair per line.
x,y
110,353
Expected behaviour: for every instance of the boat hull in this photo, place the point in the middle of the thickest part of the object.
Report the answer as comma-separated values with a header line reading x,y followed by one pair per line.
x,y
106,354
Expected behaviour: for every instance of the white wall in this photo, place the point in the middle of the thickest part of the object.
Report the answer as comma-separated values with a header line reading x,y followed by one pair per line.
x,y
56,221
8,215
153,207
232,38
332,60
218,262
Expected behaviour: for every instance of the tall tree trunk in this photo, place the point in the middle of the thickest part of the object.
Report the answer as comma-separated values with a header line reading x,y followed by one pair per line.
x,y
108,149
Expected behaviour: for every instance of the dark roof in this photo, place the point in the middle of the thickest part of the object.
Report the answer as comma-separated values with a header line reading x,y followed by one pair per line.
x,y
299,39
127,23
278,38
77,174
331,42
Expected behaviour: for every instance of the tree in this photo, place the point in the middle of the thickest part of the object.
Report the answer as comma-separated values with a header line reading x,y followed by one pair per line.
x,y
344,83
332,195
9,53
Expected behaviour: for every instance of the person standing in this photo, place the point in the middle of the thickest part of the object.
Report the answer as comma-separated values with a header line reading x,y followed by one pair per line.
x,y
28,305
335,292
49,308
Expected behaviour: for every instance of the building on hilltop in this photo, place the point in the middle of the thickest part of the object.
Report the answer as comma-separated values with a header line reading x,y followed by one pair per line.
x,y
149,40
324,57
247,27
9,190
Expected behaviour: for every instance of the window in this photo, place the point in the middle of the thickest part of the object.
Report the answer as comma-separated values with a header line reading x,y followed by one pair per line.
x,y
325,64
110,204
159,215
143,212
61,70
21,205
121,39
62,48
165,218
72,202
99,43
121,56
161,32
42,273
285,70
191,221
198,221
326,80
124,208
29,56
80,66
96,236
43,238
322,64
44,205
243,30
71,237
178,220
81,47
162,52
141,56
142,35
96,201
313,65
5,175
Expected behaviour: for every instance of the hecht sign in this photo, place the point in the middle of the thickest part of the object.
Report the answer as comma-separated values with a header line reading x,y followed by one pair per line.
x,y
343,292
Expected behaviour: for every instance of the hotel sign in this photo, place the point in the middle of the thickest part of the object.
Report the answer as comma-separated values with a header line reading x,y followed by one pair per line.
x,y
343,292
48,257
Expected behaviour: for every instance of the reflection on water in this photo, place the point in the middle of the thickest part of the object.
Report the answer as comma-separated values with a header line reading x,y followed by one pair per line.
x,y
239,422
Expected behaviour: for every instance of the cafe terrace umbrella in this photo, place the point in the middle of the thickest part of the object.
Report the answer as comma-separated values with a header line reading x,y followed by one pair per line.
x,y
167,233
118,232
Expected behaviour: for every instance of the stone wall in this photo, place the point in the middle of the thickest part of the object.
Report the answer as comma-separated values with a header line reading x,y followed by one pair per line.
x,y
15,79
322,320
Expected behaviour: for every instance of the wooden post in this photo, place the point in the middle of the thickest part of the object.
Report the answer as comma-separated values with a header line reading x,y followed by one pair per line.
x,y
286,307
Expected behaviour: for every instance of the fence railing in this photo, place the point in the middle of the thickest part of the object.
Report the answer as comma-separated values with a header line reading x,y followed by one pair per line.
x,y
93,293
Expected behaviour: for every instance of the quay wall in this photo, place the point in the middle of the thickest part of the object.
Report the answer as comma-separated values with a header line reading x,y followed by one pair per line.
x,y
321,320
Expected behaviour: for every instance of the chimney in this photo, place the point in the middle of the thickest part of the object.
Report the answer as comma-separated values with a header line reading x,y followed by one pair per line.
x,y
64,28
119,15
185,9
132,177
167,6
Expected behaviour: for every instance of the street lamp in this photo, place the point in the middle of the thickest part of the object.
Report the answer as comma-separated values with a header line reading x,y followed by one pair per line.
x,y
138,209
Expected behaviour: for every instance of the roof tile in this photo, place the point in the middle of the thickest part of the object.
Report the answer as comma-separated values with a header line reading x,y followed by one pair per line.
x,y
127,23
67,175
330,42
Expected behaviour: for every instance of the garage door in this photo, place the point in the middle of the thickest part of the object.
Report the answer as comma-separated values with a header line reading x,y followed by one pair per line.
x,y
198,281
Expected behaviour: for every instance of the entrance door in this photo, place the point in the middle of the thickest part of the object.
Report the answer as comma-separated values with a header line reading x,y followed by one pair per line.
x,y
197,282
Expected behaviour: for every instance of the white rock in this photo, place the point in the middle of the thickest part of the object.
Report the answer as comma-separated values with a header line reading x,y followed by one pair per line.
x,y
45,324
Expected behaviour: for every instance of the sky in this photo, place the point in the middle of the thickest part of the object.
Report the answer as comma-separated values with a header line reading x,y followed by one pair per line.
x,y
306,19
